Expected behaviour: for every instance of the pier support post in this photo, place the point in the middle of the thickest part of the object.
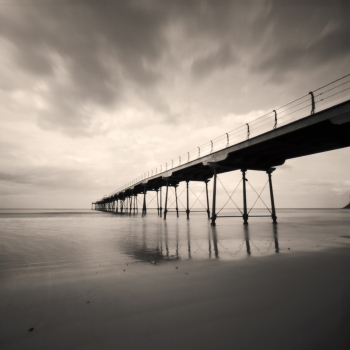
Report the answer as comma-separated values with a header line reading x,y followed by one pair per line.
x,y
213,217
166,200
188,203
245,212
144,209
157,203
116,210
130,203
177,207
206,189
273,215
160,195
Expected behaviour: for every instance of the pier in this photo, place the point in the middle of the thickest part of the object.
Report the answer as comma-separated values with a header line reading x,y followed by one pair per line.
x,y
320,131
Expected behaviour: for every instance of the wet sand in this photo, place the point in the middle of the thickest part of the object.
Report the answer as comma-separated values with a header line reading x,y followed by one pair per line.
x,y
95,280
281,301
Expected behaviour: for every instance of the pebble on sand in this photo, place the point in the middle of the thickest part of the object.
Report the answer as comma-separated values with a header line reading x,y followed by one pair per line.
x,y
31,329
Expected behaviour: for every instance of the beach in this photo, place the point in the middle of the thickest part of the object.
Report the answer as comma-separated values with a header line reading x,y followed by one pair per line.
x,y
96,280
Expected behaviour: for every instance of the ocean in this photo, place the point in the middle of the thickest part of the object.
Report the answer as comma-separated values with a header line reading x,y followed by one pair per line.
x,y
89,279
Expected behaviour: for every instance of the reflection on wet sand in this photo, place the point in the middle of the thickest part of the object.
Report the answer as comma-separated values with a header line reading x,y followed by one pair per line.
x,y
215,241
171,241
246,237
188,239
275,237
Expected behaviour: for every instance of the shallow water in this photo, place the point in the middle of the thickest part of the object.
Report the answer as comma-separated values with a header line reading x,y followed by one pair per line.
x,y
83,279
78,238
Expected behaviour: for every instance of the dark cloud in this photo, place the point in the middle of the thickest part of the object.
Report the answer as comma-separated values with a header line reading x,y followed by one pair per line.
x,y
48,178
87,49
306,36
91,52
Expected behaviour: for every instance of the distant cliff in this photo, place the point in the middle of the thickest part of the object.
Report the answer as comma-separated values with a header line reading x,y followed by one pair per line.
x,y
347,206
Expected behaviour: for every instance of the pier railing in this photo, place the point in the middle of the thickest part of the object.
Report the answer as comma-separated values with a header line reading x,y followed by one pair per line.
x,y
321,98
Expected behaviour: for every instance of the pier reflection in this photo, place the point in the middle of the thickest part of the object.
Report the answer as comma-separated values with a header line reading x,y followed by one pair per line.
x,y
246,238
165,241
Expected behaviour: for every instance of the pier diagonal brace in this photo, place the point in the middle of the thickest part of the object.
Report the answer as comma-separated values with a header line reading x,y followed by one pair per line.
x,y
206,190
177,207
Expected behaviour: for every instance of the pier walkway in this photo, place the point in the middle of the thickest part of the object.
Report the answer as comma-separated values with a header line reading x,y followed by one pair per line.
x,y
326,130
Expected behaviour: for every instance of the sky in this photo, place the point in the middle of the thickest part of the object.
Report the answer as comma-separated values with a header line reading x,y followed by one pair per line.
x,y
95,93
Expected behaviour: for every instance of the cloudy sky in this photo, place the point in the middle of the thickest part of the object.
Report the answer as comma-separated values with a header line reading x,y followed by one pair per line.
x,y
94,93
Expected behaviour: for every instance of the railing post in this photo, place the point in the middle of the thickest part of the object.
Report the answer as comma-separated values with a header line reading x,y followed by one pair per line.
x,y
166,200
213,217
245,213
312,102
206,189
188,202
273,215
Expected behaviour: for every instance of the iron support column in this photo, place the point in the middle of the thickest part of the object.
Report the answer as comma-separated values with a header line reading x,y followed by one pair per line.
x,y
166,200
245,213
213,218
273,215
160,195
144,201
117,206
206,189
157,203
188,203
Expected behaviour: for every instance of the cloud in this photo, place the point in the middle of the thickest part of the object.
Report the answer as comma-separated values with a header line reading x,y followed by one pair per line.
x,y
217,60
305,36
95,55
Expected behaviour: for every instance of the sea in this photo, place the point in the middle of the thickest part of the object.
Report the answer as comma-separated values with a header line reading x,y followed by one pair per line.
x,y
89,279
70,238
